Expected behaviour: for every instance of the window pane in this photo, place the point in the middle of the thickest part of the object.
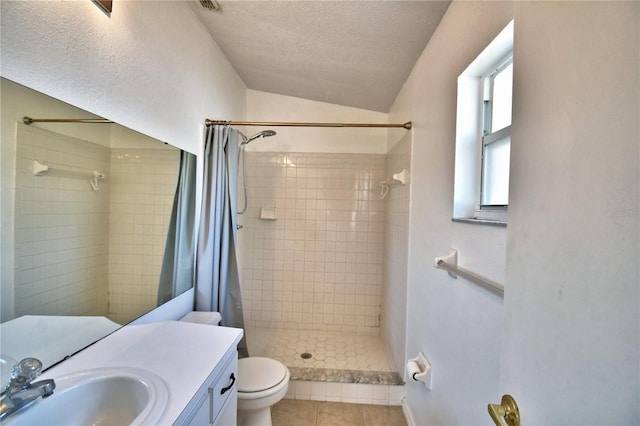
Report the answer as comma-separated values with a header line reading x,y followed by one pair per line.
x,y
502,93
495,172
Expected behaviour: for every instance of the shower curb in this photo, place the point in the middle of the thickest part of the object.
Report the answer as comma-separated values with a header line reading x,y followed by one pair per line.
x,y
345,376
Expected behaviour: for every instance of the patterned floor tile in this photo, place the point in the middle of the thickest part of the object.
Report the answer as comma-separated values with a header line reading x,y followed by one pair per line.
x,y
331,350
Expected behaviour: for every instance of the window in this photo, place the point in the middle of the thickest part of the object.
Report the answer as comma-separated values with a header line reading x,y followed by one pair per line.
x,y
496,137
483,133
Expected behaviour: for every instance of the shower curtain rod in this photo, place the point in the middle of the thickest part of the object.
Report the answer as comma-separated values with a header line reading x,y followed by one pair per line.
x,y
209,122
29,120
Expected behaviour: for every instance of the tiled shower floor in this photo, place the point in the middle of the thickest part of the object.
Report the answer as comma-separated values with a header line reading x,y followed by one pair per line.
x,y
343,367
328,350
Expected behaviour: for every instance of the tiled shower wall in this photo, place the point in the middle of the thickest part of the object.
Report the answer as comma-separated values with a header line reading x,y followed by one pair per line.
x,y
319,265
143,185
394,290
77,248
61,226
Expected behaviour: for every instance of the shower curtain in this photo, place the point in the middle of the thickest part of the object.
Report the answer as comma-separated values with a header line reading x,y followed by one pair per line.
x,y
217,280
176,275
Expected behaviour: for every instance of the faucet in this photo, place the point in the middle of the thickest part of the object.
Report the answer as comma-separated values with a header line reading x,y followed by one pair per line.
x,y
22,390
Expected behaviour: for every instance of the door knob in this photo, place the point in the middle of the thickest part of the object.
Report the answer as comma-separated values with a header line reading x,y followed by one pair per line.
x,y
507,410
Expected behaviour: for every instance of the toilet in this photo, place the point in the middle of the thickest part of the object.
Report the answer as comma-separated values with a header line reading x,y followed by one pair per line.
x,y
262,382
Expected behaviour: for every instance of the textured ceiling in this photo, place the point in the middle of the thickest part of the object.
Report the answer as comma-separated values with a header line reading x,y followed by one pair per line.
x,y
354,53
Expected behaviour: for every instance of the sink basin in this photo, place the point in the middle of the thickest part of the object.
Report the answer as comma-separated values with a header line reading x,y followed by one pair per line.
x,y
101,396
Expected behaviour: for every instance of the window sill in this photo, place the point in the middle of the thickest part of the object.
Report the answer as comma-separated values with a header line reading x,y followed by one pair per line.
x,y
489,222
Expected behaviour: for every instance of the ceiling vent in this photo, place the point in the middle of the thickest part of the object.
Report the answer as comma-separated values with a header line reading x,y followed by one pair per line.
x,y
211,5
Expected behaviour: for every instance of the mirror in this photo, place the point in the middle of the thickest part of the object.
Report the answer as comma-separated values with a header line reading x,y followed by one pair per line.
x,y
84,234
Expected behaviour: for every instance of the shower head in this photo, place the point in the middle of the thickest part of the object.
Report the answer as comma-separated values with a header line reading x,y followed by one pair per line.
x,y
262,134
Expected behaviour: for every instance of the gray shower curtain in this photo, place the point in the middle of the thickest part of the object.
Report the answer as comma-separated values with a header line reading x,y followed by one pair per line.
x,y
217,280
176,275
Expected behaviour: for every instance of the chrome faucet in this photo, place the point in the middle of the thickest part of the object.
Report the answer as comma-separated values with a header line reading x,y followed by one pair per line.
x,y
22,390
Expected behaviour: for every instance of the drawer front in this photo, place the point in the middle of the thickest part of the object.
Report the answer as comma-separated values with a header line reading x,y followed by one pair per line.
x,y
224,387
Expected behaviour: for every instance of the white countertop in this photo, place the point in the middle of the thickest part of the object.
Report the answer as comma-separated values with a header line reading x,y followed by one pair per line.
x,y
182,354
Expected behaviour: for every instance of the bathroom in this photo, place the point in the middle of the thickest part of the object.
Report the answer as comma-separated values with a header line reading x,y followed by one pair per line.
x,y
569,256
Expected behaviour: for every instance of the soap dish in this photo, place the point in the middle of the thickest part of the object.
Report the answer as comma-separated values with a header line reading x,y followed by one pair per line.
x,y
268,213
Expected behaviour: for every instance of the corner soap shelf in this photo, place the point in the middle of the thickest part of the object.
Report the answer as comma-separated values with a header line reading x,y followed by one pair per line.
x,y
401,177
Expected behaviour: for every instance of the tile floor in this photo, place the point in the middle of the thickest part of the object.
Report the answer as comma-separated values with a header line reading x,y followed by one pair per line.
x,y
333,350
314,413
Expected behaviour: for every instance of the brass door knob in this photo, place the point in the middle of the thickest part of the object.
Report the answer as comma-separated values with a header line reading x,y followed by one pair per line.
x,y
507,410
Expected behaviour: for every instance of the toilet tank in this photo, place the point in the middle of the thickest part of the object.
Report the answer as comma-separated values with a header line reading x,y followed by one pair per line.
x,y
209,318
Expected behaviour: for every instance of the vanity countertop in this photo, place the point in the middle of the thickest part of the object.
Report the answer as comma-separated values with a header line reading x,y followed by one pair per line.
x,y
182,354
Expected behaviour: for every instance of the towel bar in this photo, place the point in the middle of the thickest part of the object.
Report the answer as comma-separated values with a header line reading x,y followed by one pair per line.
x,y
450,264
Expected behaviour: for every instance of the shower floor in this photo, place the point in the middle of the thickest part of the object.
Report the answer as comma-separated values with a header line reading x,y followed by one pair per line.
x,y
332,350
325,356
343,367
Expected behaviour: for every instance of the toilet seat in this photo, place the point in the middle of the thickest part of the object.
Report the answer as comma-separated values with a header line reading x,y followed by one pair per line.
x,y
257,374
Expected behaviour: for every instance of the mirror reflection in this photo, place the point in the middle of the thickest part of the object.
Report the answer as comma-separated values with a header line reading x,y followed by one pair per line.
x,y
95,206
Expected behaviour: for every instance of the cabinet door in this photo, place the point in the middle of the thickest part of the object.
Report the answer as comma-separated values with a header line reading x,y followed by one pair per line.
x,y
228,415
202,414
219,403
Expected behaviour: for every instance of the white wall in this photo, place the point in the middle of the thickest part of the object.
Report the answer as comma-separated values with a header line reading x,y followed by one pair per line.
x,y
151,66
455,323
263,106
565,341
571,351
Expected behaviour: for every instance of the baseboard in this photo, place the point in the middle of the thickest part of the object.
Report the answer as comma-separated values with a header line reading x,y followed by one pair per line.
x,y
407,413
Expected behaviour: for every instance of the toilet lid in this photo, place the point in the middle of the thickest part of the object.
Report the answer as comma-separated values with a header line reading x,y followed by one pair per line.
x,y
256,374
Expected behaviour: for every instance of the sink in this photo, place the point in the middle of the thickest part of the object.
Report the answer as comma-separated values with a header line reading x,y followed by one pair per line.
x,y
101,396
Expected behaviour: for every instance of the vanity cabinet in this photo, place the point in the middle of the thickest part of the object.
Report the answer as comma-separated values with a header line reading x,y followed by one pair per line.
x,y
196,363
217,400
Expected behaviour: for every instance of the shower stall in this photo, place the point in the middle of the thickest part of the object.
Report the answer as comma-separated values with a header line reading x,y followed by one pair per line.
x,y
323,270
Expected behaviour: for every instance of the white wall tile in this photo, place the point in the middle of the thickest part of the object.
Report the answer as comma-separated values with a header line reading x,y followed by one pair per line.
x,y
318,391
62,220
349,391
396,395
145,180
380,395
303,390
365,393
322,217
49,246
291,390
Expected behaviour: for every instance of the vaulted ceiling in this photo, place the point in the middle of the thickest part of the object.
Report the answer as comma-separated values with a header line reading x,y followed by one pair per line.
x,y
353,53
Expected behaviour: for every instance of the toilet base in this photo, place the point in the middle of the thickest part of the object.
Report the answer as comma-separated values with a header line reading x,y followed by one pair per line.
x,y
254,407
260,417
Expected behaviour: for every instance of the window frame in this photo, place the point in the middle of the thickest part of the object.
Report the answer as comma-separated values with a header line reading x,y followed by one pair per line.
x,y
470,123
487,137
